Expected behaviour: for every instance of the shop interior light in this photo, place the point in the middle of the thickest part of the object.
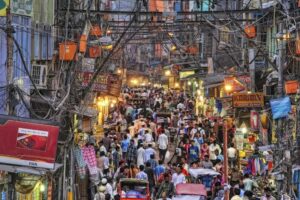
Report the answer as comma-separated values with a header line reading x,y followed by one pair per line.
x,y
108,31
173,48
171,34
177,85
189,83
42,188
228,88
168,72
119,71
199,92
244,130
134,81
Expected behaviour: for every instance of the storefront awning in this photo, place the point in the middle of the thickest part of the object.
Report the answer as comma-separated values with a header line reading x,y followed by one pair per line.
x,y
213,80
213,85
29,170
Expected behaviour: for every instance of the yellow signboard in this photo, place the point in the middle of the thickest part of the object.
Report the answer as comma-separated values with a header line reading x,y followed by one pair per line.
x,y
186,74
3,7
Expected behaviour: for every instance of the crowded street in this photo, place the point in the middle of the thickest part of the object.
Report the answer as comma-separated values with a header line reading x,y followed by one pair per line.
x,y
149,99
156,146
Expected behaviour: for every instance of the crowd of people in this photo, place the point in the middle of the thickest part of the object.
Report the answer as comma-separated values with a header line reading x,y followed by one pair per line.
x,y
159,141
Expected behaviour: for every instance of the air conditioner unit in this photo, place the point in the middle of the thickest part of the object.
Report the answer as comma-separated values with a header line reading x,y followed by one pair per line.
x,y
39,75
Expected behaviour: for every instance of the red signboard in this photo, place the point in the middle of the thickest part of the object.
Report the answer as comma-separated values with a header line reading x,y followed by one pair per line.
x,y
106,83
24,142
100,84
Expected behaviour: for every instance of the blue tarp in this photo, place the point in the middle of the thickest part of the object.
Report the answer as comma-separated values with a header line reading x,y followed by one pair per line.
x,y
280,107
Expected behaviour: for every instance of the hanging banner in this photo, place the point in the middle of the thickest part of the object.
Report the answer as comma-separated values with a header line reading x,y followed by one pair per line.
x,y
239,139
254,119
21,7
245,100
280,107
28,142
3,7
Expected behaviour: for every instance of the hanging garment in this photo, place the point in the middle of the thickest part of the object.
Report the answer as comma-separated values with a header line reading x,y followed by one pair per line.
x,y
89,157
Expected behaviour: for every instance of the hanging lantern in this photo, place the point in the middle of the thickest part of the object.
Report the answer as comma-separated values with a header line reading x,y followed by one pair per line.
x,y
95,51
67,51
250,31
291,87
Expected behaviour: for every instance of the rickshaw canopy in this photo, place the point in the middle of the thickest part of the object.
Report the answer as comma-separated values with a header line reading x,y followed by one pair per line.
x,y
203,172
191,189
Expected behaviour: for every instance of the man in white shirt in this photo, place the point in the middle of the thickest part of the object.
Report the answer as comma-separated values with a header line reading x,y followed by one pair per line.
x,y
148,137
232,154
181,106
212,149
178,177
163,142
148,152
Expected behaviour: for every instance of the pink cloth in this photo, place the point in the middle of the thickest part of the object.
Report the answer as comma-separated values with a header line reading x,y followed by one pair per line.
x,y
89,157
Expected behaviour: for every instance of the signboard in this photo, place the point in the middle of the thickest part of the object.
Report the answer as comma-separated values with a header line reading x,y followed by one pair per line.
x,y
28,142
244,100
114,85
186,74
3,7
239,139
88,64
137,101
105,84
100,84
21,7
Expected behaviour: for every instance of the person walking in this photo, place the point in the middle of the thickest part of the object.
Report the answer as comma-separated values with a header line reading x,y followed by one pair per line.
x,y
163,142
131,155
166,187
140,155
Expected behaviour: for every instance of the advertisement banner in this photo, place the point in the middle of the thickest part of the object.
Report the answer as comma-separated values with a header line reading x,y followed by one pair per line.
x,y
3,7
28,142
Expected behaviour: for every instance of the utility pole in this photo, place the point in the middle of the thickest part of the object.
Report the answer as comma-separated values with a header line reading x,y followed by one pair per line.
x,y
9,62
225,140
9,83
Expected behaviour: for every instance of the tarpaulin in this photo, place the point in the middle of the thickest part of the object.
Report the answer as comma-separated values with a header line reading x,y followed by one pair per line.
x,y
280,107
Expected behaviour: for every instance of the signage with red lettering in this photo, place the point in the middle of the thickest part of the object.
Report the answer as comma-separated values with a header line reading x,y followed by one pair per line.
x,y
28,142
245,100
